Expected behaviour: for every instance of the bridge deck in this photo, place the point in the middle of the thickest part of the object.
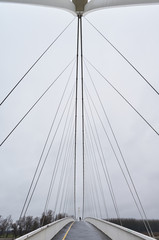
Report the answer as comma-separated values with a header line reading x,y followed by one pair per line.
x,y
80,230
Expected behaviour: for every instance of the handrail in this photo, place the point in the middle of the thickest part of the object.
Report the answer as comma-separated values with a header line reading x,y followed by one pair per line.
x,y
116,232
47,232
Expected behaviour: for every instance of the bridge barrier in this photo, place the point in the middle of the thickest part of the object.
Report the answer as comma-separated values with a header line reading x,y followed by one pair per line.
x,y
47,232
116,232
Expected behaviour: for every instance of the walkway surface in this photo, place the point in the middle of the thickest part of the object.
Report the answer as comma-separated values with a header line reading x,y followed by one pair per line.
x,y
80,230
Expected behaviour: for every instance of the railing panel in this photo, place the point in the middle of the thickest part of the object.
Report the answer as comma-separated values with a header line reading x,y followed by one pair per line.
x,y
116,232
47,232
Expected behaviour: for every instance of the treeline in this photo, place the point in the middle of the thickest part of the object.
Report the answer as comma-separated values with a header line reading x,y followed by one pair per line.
x,y
137,225
8,228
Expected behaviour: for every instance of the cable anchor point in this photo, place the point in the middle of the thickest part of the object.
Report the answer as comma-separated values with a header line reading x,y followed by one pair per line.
x,y
79,6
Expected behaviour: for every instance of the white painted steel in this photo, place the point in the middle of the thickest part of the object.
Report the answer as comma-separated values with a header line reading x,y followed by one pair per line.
x,y
94,5
116,232
47,232
62,4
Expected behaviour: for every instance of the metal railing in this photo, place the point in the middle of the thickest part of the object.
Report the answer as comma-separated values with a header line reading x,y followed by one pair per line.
x,y
47,232
116,232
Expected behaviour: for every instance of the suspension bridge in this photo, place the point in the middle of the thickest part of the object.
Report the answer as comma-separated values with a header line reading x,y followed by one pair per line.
x,y
76,157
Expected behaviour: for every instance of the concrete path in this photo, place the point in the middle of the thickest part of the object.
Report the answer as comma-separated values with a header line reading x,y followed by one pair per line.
x,y
80,230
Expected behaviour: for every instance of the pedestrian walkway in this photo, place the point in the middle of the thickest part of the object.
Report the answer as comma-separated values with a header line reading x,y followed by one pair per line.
x,y
80,230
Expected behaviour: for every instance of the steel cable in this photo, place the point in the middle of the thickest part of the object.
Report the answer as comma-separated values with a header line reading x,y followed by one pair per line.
x,y
106,172
123,97
35,104
92,151
45,144
35,63
68,175
58,158
121,154
122,55
90,187
116,157
94,183
48,152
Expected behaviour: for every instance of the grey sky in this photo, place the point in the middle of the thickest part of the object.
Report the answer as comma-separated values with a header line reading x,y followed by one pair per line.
x,y
25,32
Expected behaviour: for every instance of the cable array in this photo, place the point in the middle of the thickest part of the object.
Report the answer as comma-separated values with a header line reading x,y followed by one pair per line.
x,y
131,188
97,184
146,223
38,171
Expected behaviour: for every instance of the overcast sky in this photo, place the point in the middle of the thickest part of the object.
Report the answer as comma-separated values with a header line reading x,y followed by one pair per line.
x,y
25,32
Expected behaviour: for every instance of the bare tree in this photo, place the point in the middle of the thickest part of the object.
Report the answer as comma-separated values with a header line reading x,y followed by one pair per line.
x,y
47,217
5,224
15,229
28,224
36,223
